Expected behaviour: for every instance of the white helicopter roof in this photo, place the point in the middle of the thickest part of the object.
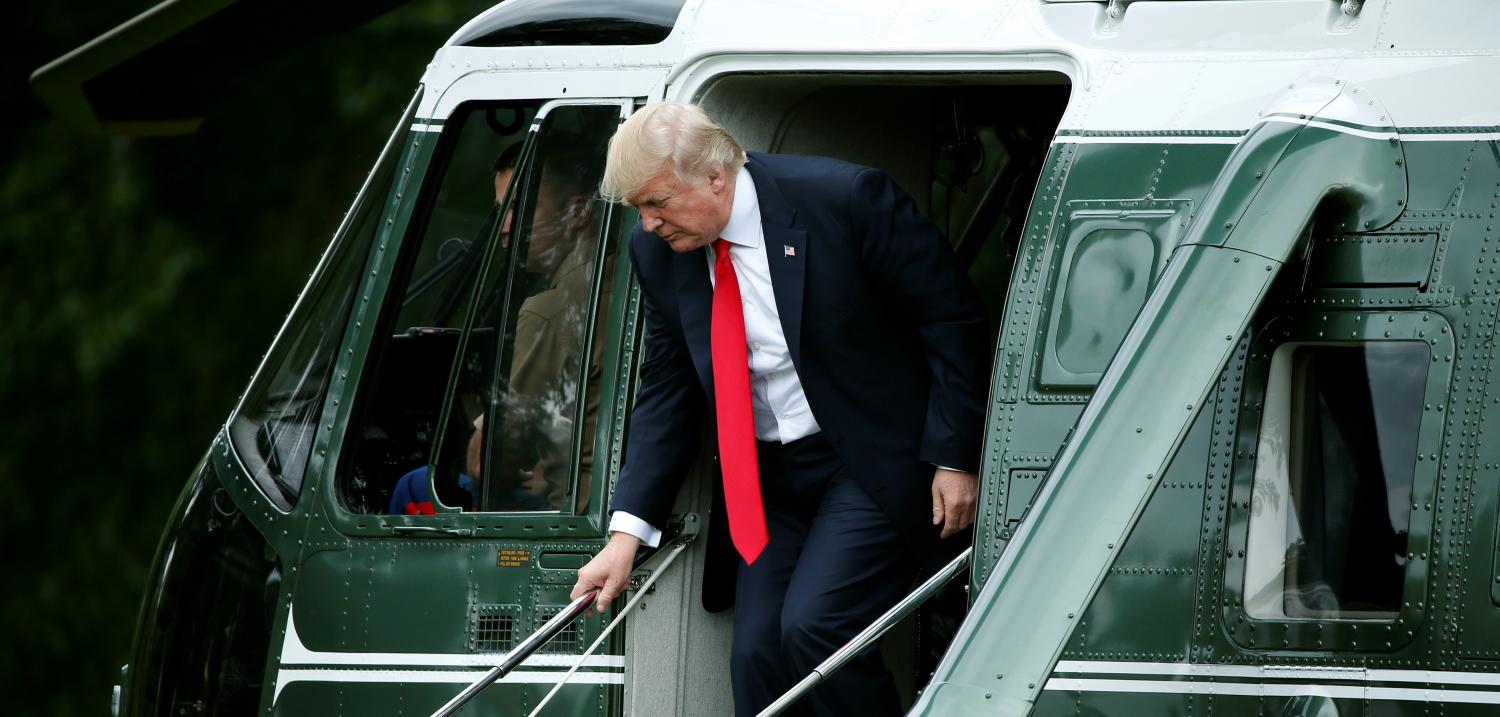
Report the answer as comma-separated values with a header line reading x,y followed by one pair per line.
x,y
1184,66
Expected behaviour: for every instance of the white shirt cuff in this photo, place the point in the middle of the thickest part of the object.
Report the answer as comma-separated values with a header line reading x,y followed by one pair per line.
x,y
622,522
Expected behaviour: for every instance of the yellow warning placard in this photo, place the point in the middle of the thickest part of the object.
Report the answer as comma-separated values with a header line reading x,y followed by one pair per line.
x,y
512,558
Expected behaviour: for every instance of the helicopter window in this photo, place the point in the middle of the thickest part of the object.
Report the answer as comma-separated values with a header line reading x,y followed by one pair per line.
x,y
1331,503
455,223
204,643
273,427
537,381
487,324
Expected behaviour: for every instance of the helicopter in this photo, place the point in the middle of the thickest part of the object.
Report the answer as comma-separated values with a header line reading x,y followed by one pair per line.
x,y
1243,313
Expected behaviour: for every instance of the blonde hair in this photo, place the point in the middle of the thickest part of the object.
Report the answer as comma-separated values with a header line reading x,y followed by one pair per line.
x,y
666,134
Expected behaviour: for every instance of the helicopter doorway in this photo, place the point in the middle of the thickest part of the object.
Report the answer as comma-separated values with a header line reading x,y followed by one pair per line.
x,y
969,149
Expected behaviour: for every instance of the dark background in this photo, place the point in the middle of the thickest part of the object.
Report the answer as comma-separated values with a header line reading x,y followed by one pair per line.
x,y
141,280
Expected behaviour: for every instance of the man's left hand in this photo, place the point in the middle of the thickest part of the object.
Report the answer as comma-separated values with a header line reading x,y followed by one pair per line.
x,y
953,500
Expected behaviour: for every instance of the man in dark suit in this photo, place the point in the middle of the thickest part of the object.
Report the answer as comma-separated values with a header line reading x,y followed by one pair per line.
x,y
805,308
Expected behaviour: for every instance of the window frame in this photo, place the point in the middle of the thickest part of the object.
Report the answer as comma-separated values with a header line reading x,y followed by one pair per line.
x,y
1161,220
617,363
1337,328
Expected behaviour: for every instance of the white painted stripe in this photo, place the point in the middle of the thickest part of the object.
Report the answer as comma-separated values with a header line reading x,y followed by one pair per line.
x,y
1438,677
1183,669
1452,137
294,652
1135,139
419,127
1277,672
287,677
1274,689
1168,139
444,659
1332,127
1073,684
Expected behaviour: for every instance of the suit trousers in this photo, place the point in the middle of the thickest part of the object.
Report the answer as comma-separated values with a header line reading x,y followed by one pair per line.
x,y
834,563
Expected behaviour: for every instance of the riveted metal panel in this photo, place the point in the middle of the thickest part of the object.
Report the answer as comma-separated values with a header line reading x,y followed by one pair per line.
x,y
1004,503
1027,425
1152,166
1209,639
1403,259
1156,573
388,616
1313,705
1460,575
1031,274
1023,487
1138,705
1463,198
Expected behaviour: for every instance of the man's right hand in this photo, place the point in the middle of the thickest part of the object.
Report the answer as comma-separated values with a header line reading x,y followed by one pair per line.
x,y
609,570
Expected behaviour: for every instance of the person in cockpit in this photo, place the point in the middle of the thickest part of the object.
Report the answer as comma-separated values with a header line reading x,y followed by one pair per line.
x,y
412,495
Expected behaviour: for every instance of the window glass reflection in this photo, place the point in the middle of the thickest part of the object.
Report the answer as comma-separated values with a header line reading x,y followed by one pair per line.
x,y
490,334
204,639
456,224
543,394
1331,505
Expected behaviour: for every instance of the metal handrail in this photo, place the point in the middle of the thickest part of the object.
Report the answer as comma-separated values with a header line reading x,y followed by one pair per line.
x,y
870,634
684,529
522,651
640,595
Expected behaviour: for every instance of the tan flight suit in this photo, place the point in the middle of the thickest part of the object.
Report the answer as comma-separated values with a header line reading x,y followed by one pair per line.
x,y
544,370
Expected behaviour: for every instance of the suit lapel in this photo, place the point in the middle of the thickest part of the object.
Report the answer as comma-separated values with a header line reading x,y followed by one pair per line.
x,y
695,305
786,255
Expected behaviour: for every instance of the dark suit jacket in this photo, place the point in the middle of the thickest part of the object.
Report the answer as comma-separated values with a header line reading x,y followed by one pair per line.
x,y
886,333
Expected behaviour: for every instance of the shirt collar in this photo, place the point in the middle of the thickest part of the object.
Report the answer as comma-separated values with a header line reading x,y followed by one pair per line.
x,y
744,217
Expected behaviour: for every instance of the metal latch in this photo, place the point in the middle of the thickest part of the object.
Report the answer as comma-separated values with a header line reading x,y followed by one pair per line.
x,y
684,530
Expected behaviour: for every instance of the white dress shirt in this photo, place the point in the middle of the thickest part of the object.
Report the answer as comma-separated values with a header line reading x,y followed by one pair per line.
x,y
776,398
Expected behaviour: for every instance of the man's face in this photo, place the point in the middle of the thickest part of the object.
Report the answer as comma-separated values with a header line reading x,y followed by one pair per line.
x,y
556,221
686,216
502,182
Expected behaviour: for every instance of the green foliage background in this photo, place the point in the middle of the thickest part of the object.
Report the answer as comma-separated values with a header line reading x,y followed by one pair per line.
x,y
140,282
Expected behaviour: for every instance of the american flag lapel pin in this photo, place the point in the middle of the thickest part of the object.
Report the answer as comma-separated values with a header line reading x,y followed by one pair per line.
x,y
788,250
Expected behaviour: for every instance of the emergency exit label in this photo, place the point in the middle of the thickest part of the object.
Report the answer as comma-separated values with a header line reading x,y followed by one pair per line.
x,y
517,558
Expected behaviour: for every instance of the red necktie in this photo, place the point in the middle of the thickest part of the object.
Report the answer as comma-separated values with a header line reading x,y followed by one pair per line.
x,y
747,516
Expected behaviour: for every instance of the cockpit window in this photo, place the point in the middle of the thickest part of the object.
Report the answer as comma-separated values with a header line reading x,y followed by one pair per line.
x,y
540,395
458,220
482,390
274,426
1331,506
